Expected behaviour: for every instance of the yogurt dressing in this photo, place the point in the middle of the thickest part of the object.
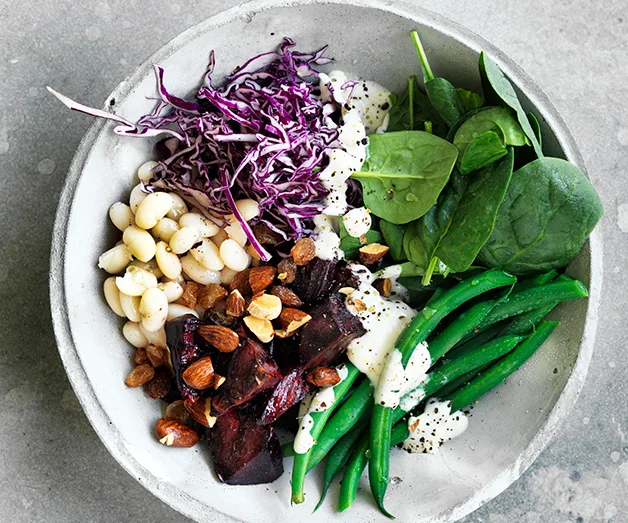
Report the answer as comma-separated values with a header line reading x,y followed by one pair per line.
x,y
326,240
436,426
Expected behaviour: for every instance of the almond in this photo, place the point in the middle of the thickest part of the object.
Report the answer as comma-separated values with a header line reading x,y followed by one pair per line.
x,y
384,286
140,375
200,374
323,376
218,380
200,410
283,333
241,282
140,356
260,278
265,307
177,411
372,253
235,304
287,297
190,294
263,329
158,356
173,433
222,338
209,294
358,305
303,251
292,319
287,271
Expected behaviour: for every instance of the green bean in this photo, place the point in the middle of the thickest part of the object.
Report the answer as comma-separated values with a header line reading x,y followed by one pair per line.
x,y
357,464
461,381
477,341
541,279
418,330
299,465
502,369
340,454
535,298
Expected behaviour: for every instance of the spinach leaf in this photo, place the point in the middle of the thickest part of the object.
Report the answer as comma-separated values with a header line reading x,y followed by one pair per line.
x,y
404,173
393,236
525,155
457,227
351,246
486,150
536,127
498,89
441,93
548,213
411,110
409,269
483,150
470,100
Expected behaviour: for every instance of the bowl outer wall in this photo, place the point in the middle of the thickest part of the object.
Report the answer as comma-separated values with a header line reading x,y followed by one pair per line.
x,y
74,367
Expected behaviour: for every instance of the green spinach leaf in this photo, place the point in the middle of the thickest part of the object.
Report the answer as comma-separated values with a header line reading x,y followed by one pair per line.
x,y
548,213
393,236
483,150
498,89
404,173
470,100
411,110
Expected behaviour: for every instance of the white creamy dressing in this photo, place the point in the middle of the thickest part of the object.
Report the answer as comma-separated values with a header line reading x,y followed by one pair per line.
x,y
364,107
434,427
326,240
318,402
384,319
397,290
396,381
357,221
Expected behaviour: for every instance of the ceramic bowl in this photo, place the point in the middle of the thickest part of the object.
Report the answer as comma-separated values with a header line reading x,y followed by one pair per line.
x,y
509,427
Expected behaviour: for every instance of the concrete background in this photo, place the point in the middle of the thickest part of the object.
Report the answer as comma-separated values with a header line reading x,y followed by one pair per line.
x,y
53,467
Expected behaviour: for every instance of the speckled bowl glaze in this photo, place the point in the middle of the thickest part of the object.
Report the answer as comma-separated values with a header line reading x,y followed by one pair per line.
x,y
509,427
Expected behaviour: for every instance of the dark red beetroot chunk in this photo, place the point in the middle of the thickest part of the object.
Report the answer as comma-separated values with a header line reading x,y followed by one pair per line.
x,y
319,278
328,333
183,349
244,452
288,392
251,371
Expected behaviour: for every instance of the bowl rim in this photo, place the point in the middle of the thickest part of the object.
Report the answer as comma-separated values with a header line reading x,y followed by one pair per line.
x,y
177,498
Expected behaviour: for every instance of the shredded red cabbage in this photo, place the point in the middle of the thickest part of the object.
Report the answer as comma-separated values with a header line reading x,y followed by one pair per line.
x,y
263,135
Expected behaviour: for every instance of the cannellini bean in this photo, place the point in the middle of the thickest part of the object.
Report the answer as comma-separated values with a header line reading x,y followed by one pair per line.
x,y
112,295
131,331
205,226
196,272
116,259
144,172
208,255
155,338
248,208
135,281
236,232
164,229
154,309
167,261
175,310
220,237
121,215
226,275
178,209
150,265
173,290
140,243
184,239
136,197
152,209
234,256
131,307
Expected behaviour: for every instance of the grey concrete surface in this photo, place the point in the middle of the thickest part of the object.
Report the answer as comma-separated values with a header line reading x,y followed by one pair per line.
x,y
53,468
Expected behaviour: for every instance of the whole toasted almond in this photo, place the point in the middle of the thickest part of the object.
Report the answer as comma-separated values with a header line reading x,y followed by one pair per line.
x,y
200,409
260,278
292,319
173,433
372,253
222,338
200,374
241,282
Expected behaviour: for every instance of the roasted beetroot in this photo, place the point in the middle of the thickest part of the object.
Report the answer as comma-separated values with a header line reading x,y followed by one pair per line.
x,y
184,349
288,392
251,371
244,452
328,333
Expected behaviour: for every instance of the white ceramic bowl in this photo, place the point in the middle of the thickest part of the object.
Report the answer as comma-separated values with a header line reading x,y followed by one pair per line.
x,y
510,426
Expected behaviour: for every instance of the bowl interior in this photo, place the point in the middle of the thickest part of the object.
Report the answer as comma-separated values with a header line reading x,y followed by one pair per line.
x,y
373,43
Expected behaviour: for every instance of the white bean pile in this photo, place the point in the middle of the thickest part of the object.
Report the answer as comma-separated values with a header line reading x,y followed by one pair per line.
x,y
164,243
